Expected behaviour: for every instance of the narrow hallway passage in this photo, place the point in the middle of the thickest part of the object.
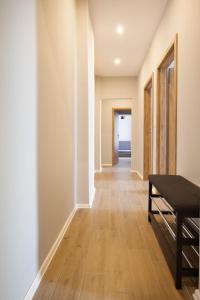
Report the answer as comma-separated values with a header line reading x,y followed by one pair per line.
x,y
74,225
110,251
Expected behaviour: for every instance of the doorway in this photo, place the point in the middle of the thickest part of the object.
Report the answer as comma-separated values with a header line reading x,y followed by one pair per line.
x,y
121,134
167,112
148,129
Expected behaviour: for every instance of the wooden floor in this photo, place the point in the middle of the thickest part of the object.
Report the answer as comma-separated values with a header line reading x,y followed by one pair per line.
x,y
110,251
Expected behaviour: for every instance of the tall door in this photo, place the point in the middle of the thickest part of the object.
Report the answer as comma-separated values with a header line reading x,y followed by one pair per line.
x,y
167,113
167,122
116,138
171,134
148,125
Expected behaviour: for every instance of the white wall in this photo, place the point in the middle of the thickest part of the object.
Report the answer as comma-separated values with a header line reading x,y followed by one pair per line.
x,y
182,17
56,132
125,128
85,105
112,92
38,81
91,109
98,106
18,151
118,87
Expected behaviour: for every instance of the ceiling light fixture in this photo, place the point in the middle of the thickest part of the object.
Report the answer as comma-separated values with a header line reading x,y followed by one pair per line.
x,y
120,29
117,61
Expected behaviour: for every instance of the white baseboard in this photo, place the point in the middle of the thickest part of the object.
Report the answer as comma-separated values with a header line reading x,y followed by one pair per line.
x,y
106,165
98,170
87,205
138,173
92,198
82,205
196,295
48,259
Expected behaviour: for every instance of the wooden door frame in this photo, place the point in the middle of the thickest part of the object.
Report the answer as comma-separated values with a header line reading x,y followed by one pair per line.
x,y
173,48
114,110
148,165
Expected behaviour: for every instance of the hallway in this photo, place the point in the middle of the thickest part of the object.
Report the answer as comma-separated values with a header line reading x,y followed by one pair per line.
x,y
110,252
73,224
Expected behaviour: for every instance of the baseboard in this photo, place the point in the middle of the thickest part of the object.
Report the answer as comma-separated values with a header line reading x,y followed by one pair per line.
x,y
98,170
87,205
82,205
138,173
196,295
106,165
48,259
92,198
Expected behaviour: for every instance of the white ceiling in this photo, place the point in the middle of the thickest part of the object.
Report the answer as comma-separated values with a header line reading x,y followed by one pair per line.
x,y
140,19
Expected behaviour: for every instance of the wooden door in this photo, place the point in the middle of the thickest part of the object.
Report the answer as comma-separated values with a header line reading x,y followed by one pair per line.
x,y
116,137
148,129
115,131
167,112
171,134
163,124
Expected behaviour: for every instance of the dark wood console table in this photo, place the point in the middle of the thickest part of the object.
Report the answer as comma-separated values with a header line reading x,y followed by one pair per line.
x,y
173,211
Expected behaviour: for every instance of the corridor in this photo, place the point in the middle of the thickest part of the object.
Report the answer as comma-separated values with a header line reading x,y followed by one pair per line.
x,y
110,252
95,96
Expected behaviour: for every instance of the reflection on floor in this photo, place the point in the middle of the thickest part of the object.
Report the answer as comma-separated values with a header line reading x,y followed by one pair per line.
x,y
110,251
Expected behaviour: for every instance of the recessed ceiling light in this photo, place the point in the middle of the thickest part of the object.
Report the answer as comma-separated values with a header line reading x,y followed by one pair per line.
x,y
120,29
117,61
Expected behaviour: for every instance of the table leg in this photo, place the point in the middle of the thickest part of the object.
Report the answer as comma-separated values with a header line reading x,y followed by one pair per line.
x,y
150,201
